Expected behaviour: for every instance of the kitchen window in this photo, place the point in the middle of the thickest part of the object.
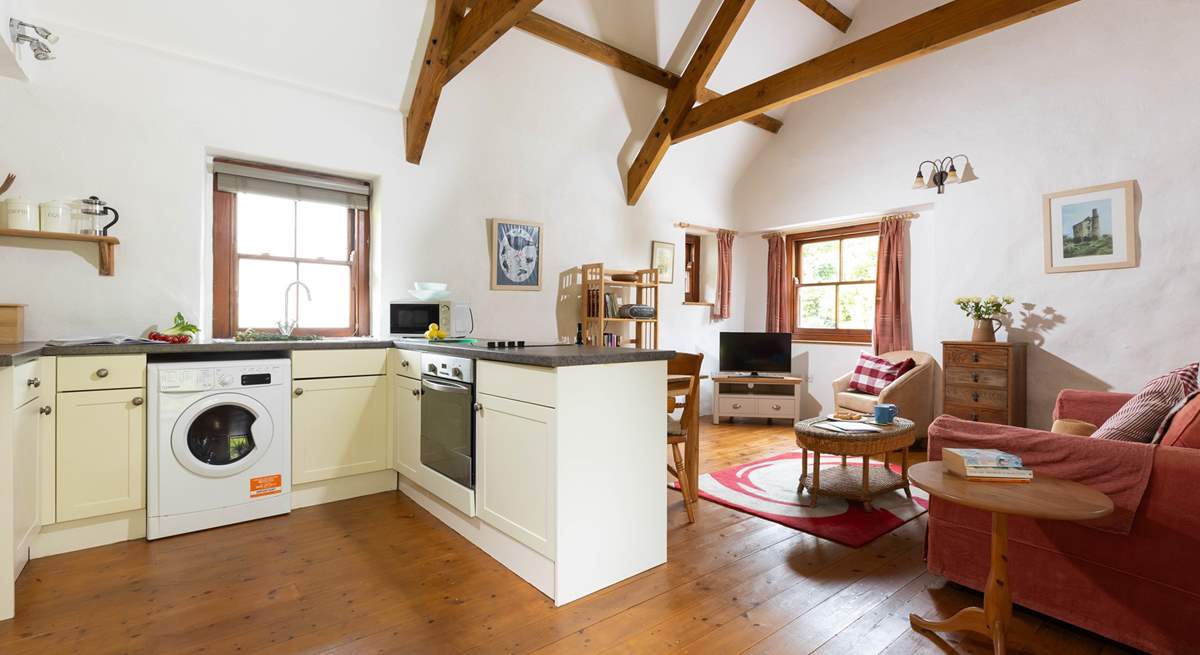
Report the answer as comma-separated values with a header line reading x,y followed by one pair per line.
x,y
834,277
277,229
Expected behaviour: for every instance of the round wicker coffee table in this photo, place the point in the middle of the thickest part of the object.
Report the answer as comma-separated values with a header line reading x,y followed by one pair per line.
x,y
843,482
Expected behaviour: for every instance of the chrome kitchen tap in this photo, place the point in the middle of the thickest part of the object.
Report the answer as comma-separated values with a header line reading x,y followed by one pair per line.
x,y
286,326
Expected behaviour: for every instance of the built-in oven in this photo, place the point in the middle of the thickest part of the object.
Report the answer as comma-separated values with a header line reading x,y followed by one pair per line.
x,y
411,318
448,429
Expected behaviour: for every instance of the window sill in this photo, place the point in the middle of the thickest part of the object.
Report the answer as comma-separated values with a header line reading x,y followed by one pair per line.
x,y
699,304
832,343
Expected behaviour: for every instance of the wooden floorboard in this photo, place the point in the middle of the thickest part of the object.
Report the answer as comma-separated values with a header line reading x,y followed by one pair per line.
x,y
380,575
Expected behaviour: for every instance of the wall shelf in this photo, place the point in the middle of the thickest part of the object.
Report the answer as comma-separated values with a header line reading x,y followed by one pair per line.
x,y
107,246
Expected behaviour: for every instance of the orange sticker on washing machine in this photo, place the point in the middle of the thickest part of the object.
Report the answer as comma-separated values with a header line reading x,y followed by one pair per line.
x,y
266,485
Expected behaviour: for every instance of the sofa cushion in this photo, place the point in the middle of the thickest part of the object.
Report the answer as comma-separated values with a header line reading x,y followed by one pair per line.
x,y
872,374
1138,420
1182,427
859,402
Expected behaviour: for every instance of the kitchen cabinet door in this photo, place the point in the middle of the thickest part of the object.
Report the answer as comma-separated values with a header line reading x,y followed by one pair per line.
x,y
26,456
406,424
100,440
339,427
514,470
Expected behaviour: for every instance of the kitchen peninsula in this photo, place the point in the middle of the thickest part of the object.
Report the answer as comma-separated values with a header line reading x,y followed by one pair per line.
x,y
569,489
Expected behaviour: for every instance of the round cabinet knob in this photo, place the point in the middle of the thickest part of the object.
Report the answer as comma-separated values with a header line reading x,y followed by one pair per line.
x,y
137,402
974,416
102,373
299,391
975,397
974,377
737,405
45,410
975,357
34,382
457,372
404,364
416,392
479,407
777,407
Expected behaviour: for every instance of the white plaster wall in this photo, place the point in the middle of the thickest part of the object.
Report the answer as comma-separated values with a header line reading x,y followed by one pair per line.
x,y
1096,92
529,131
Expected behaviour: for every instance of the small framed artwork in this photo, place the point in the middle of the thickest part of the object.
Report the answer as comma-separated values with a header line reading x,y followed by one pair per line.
x,y
516,250
662,258
1092,228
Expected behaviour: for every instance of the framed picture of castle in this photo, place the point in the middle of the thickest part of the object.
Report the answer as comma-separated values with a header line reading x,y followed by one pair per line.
x,y
1092,228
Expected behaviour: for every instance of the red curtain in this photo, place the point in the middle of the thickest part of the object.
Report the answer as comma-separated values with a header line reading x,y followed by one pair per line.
x,y
724,272
893,325
777,284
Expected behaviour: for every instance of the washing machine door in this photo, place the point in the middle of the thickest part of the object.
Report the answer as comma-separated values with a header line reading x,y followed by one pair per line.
x,y
222,435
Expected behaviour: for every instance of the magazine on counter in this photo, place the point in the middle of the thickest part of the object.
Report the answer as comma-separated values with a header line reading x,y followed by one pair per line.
x,y
111,340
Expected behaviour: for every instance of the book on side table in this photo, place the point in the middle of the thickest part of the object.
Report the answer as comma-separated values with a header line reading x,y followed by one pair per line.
x,y
985,464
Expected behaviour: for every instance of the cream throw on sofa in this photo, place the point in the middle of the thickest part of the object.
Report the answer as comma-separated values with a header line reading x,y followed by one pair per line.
x,y
911,393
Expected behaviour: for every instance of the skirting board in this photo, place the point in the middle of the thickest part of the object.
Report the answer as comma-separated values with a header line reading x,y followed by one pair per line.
x,y
515,556
88,533
328,491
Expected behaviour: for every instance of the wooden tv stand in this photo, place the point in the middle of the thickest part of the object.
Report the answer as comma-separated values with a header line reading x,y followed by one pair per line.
x,y
757,396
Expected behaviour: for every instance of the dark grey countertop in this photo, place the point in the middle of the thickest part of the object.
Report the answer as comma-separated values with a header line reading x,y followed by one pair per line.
x,y
547,356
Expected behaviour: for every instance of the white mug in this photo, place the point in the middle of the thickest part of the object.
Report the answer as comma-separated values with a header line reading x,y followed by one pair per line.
x,y
56,216
20,215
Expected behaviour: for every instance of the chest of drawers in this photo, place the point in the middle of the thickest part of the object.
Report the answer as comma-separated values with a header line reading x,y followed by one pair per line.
x,y
984,381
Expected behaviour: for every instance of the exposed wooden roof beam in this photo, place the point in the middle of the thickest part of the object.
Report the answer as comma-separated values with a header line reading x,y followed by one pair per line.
x,y
682,97
486,22
597,50
942,27
827,11
419,118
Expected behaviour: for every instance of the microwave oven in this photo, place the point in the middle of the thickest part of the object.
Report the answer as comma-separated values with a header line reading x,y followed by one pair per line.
x,y
411,318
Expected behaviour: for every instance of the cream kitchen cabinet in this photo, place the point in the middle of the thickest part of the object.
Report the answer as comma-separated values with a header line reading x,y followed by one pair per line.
x,y
100,440
515,470
406,425
26,455
339,427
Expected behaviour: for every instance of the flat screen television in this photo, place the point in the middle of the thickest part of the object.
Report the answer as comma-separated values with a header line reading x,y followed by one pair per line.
x,y
756,352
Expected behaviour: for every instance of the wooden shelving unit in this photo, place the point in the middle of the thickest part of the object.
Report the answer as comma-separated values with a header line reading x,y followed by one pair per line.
x,y
106,245
597,281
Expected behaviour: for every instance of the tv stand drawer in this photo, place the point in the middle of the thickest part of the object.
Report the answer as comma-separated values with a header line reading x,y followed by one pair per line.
x,y
782,407
738,406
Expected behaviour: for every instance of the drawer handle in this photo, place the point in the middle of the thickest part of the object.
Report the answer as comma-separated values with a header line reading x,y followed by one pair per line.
x,y
416,392
102,373
479,407
974,416
45,410
974,377
33,382
975,357
776,407
404,364
299,391
975,397
737,405
137,402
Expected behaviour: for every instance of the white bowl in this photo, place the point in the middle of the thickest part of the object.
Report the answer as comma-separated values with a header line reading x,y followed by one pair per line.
x,y
430,286
428,295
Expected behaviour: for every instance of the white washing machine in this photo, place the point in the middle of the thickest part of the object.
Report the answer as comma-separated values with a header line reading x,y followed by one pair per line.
x,y
219,444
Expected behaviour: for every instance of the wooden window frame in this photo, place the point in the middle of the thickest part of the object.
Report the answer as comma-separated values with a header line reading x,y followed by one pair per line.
x,y
691,264
225,265
794,243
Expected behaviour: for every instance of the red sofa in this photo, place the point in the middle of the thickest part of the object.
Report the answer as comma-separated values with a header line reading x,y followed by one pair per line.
x,y
1141,589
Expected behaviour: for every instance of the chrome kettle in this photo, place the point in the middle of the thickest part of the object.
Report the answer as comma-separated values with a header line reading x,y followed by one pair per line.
x,y
93,206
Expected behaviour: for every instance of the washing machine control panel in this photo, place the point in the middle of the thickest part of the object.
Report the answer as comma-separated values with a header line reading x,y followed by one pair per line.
x,y
204,379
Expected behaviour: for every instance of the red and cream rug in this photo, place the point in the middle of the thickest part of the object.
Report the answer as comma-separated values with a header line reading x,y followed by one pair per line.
x,y
767,488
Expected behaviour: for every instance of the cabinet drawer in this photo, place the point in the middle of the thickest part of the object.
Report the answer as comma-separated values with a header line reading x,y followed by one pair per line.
x,y
530,384
99,372
981,414
987,377
977,397
406,363
739,407
338,363
777,408
976,356
27,382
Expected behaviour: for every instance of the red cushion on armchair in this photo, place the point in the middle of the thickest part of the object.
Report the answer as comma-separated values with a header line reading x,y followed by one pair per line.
x,y
1184,428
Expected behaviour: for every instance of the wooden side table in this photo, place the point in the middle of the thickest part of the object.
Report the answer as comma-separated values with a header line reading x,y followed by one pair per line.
x,y
1044,498
843,482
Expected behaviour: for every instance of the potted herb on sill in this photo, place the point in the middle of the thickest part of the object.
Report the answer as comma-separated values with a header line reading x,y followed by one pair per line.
x,y
986,313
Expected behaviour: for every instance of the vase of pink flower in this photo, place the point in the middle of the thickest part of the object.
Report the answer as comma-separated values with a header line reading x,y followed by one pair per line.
x,y
986,313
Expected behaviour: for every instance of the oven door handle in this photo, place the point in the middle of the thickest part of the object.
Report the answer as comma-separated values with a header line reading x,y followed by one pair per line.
x,y
448,387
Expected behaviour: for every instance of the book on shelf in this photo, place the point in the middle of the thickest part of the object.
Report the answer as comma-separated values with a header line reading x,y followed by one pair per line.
x,y
963,457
